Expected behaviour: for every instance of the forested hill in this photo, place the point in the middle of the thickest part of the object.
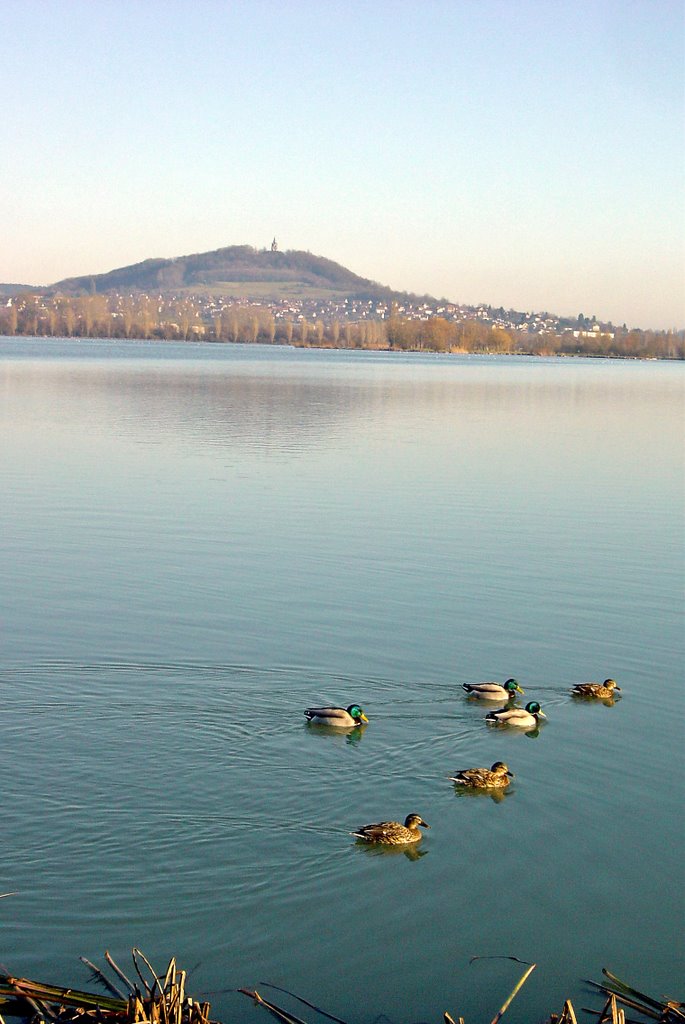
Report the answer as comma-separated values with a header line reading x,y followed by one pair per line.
x,y
224,269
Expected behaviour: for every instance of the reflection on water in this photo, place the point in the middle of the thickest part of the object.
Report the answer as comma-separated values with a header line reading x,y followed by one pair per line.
x,y
495,794
197,542
412,851
608,702
351,734
303,398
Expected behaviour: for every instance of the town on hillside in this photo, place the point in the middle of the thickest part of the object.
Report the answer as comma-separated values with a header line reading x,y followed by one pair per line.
x,y
406,324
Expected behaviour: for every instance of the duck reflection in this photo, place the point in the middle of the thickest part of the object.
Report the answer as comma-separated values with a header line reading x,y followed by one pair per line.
x,y
496,795
408,850
352,734
586,699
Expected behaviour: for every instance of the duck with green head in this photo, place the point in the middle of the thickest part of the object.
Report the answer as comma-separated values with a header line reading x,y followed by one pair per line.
x,y
520,718
493,691
342,718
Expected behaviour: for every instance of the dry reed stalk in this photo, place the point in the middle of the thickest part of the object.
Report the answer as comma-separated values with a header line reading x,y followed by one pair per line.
x,y
306,1002
664,1011
517,988
629,1020
178,997
158,1003
568,1014
605,1011
22,988
41,1009
136,1010
136,953
102,977
618,1016
668,1007
287,1018
117,970
632,1003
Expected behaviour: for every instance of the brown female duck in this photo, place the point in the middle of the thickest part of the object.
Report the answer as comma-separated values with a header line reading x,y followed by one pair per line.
x,y
483,778
602,690
393,832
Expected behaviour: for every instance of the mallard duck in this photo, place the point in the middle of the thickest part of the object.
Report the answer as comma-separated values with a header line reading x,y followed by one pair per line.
x,y
522,718
392,832
602,690
483,778
493,691
343,718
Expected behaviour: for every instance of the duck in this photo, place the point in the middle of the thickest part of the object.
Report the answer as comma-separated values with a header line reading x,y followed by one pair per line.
x,y
521,718
394,833
483,778
493,691
601,690
343,718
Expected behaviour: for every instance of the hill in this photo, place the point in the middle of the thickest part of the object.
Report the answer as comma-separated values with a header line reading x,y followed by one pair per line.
x,y
237,270
7,290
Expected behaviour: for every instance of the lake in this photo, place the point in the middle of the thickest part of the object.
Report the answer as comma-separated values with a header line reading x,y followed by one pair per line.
x,y
198,541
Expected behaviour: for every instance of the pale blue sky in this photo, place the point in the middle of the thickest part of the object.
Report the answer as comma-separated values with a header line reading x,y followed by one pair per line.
x,y
525,153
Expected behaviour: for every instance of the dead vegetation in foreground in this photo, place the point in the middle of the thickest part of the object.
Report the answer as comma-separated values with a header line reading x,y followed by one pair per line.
x,y
152,999
162,999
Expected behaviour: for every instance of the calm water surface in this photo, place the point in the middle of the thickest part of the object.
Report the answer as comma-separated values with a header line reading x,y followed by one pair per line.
x,y
197,542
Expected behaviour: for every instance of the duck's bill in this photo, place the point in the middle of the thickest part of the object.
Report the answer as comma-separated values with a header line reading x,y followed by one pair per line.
x,y
541,714
519,690
511,775
363,717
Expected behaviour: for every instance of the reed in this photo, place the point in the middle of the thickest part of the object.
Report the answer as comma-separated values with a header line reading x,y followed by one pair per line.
x,y
666,1011
162,999
152,1000
663,1011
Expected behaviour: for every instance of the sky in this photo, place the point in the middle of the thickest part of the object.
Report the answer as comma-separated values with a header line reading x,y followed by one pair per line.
x,y
523,153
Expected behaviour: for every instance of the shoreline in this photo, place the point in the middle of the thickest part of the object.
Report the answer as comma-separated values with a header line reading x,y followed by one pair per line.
x,y
389,349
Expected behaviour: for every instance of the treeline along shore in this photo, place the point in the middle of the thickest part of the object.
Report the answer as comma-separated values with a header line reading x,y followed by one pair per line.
x,y
192,318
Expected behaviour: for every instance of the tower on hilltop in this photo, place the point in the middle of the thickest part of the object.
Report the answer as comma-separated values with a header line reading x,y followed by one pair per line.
x,y
274,246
